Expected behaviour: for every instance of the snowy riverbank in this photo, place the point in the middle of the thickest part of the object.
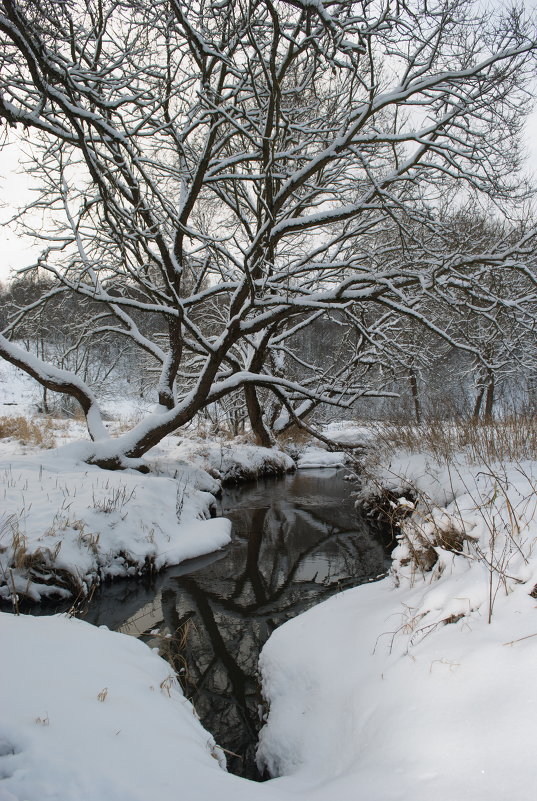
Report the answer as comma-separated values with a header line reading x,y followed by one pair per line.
x,y
66,525
422,685
92,714
393,690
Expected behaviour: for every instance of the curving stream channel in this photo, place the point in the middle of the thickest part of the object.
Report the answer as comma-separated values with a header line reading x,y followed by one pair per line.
x,y
296,541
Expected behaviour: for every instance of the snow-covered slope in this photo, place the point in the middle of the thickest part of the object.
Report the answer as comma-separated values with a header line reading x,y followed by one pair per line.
x,y
416,687
422,685
65,525
91,715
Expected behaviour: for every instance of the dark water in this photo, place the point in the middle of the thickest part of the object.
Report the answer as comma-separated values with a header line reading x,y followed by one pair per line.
x,y
296,541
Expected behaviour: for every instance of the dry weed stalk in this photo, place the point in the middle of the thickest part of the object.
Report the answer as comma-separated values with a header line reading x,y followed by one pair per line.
x,y
115,499
167,684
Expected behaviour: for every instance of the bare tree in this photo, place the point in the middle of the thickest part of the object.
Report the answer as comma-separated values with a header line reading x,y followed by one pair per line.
x,y
493,332
503,340
226,167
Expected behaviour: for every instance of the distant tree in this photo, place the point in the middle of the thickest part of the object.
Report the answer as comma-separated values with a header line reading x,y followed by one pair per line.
x,y
496,331
226,168
483,319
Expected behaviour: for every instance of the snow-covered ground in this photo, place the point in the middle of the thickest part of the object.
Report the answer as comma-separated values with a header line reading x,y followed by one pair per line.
x,y
367,702
394,690
313,456
422,685
60,514
19,393
419,686
227,461
91,715
65,525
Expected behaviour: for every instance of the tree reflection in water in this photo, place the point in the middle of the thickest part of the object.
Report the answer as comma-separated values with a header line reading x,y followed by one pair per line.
x,y
296,541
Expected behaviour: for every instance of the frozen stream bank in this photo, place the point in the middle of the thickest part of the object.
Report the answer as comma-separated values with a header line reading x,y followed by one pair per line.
x,y
296,541
396,689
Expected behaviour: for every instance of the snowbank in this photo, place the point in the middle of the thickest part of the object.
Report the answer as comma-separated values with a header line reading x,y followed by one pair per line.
x,y
65,525
419,686
422,685
227,461
360,709
91,714
349,432
313,456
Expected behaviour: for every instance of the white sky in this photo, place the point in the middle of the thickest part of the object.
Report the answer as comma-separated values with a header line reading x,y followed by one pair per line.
x,y
15,192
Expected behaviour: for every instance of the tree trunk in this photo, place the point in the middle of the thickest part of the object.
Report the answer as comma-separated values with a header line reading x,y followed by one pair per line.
x,y
477,405
489,400
415,396
261,432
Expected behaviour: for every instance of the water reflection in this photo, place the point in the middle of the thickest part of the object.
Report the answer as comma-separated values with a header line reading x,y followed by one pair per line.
x,y
296,540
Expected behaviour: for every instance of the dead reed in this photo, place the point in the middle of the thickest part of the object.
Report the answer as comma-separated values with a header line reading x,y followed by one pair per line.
x,y
511,439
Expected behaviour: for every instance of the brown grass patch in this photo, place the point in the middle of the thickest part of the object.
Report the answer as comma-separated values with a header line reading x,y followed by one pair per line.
x,y
29,432
295,435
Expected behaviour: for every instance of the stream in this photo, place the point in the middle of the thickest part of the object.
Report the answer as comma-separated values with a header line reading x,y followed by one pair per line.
x,y
296,540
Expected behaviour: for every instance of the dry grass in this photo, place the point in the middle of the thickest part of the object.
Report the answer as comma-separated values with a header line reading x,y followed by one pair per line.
x,y
115,499
173,648
493,527
40,433
37,566
295,435
424,529
422,540
513,439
